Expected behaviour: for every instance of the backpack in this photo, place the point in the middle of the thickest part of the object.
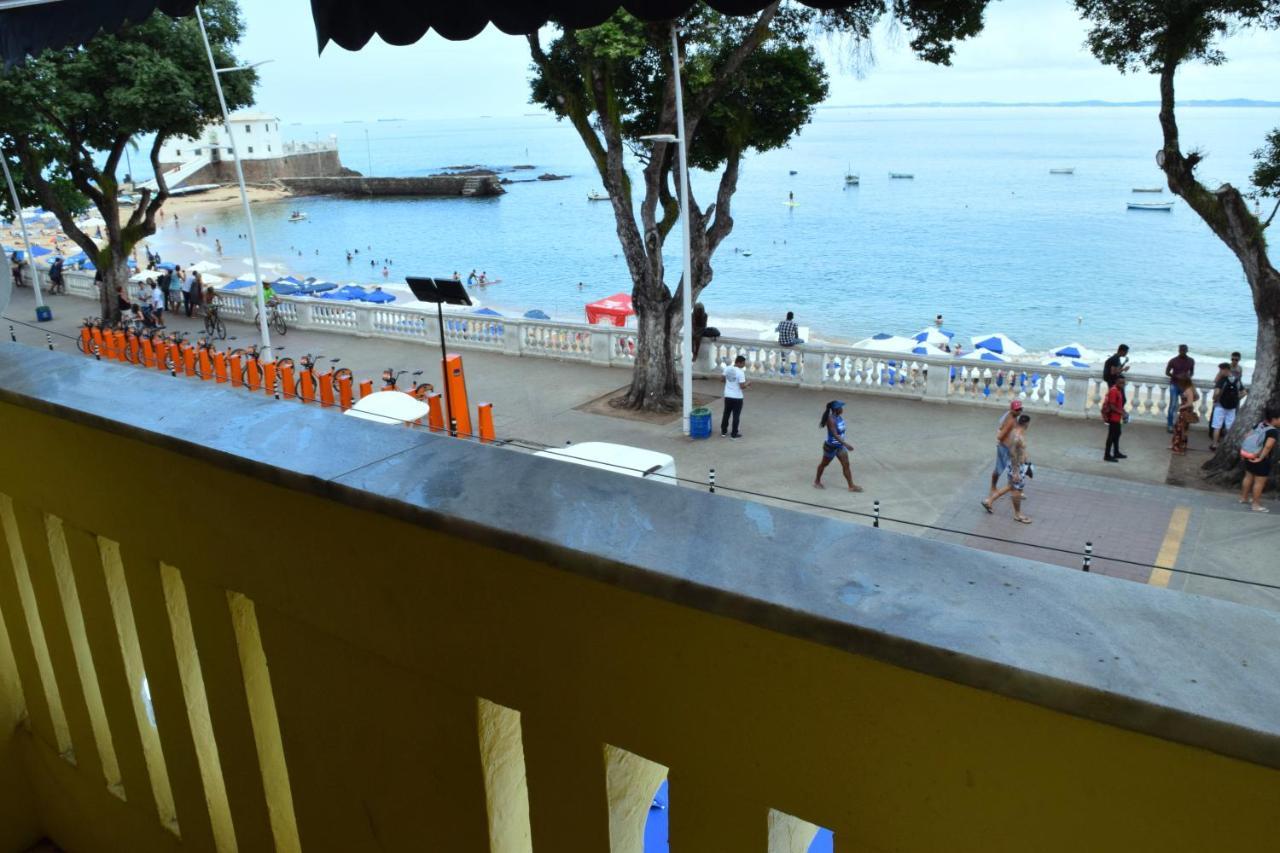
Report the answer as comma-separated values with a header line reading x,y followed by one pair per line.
x,y
1229,396
1253,442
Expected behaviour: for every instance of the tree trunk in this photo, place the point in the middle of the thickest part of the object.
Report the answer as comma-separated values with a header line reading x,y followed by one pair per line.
x,y
655,382
114,274
1225,212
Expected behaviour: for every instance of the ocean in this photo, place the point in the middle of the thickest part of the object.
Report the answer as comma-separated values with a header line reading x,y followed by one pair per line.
x,y
982,234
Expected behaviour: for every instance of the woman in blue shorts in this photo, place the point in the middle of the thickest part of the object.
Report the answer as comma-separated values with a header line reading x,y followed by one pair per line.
x,y
834,446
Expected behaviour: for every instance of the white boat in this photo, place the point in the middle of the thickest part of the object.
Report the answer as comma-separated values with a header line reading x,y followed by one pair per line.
x,y
595,196
1070,171
850,179
297,216
1148,189
906,176
1147,205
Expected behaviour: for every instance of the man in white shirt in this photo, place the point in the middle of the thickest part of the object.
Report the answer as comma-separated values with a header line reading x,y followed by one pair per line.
x,y
735,379
157,303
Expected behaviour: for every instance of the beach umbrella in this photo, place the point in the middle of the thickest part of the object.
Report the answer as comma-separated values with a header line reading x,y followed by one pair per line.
x,y
1074,350
204,266
143,276
1066,362
535,314
488,312
887,343
997,343
933,336
212,279
239,284
379,297
167,265
984,355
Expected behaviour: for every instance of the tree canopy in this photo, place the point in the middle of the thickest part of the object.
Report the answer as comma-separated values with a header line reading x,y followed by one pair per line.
x,y
69,115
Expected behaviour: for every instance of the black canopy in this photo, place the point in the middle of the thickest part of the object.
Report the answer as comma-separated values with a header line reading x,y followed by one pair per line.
x,y
27,30
352,24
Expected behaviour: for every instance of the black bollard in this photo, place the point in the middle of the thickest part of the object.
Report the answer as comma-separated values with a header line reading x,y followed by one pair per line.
x,y
49,338
1088,555
876,523
711,481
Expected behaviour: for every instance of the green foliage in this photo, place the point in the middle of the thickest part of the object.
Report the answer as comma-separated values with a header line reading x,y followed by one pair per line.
x,y
65,107
1266,171
1150,34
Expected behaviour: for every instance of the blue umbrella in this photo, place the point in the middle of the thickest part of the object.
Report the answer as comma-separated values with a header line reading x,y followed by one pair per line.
x,y
38,251
881,336
314,287
998,343
287,279
920,351
167,265
340,295
1076,363
488,312
284,288
379,297
238,284
535,314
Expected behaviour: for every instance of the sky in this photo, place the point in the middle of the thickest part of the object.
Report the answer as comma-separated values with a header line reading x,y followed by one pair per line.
x,y
1030,50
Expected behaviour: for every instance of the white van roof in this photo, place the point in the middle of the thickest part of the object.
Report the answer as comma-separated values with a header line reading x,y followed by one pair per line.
x,y
619,458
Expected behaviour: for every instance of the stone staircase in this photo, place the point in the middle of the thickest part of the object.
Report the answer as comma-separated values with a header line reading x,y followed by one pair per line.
x,y
472,186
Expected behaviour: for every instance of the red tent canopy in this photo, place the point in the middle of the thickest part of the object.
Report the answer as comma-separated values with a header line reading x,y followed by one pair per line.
x,y
616,308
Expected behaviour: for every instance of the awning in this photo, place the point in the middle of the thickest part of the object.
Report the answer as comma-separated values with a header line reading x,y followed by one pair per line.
x,y
351,25
28,30
616,308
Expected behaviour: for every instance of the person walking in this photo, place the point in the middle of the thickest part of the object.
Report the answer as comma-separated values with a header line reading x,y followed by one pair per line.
x,y
1179,367
1258,453
1113,416
834,445
735,380
157,304
699,327
1227,392
1003,430
56,284
1018,471
177,294
788,332
1187,416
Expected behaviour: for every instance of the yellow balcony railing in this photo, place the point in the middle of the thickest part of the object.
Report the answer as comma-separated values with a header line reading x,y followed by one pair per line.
x,y
234,623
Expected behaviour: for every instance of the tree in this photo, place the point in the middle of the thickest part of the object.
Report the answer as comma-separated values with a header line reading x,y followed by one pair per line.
x,y
750,84
69,115
1158,36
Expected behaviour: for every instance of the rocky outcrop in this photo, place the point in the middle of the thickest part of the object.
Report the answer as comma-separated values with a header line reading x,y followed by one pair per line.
x,y
462,186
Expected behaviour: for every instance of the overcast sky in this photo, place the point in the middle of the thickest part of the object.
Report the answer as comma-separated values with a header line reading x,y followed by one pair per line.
x,y
1030,50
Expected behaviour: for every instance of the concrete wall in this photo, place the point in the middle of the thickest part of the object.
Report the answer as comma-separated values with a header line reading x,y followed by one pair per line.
x,y
310,165
431,185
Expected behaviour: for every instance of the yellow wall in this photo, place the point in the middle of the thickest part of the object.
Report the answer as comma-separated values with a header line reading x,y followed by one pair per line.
x,y
375,641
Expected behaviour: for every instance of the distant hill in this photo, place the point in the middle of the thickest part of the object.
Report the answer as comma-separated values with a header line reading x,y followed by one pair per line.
x,y
1226,102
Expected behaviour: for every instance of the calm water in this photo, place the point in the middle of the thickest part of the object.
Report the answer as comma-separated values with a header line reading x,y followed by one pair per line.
x,y
983,234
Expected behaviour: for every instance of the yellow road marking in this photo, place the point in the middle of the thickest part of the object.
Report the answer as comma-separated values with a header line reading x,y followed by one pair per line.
x,y
1170,546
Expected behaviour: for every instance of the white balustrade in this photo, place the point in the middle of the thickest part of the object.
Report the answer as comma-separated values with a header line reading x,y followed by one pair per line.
x,y
940,378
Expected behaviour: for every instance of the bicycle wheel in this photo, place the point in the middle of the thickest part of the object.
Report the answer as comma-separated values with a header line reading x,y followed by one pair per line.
x,y
277,324
219,329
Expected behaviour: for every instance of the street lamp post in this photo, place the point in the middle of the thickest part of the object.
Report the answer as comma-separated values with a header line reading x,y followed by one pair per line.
x,y
686,306
244,192
41,314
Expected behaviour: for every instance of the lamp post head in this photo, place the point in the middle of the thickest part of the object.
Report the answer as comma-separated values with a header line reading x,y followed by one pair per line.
x,y
661,137
248,67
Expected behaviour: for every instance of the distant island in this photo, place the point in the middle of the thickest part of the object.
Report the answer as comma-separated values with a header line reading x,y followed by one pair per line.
x,y
1227,102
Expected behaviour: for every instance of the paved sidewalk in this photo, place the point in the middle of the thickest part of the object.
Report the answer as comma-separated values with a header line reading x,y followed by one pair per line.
x,y
926,463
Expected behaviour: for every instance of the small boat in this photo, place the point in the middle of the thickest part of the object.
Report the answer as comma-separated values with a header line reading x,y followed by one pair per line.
x,y
903,176
746,254
595,196
792,172
1070,171
850,179
1148,189
1148,205
297,216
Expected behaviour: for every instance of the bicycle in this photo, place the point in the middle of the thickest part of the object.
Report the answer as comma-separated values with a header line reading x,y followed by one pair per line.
x,y
311,385
213,325
274,319
419,391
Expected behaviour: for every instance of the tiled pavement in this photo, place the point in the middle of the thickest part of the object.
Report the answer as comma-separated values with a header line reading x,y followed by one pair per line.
x,y
1156,526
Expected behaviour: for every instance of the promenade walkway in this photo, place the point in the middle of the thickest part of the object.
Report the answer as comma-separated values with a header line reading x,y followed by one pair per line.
x,y
927,464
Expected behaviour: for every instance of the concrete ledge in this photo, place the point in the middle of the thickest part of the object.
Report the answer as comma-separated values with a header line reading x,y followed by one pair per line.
x,y
430,185
1180,667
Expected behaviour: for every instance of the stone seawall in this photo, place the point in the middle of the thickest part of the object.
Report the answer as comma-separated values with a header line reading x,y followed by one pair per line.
x,y
313,164
431,185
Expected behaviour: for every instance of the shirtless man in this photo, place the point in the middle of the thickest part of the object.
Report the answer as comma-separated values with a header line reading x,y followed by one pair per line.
x,y
1003,429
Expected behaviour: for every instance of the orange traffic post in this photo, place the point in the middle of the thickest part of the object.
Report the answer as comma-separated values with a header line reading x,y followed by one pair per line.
x,y
220,366
269,378
117,338
456,401
189,359
177,352
326,390
134,353
86,341
286,378
307,387
206,364
253,375
344,391
435,413
366,388
161,350
96,335
233,366
148,354
484,414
